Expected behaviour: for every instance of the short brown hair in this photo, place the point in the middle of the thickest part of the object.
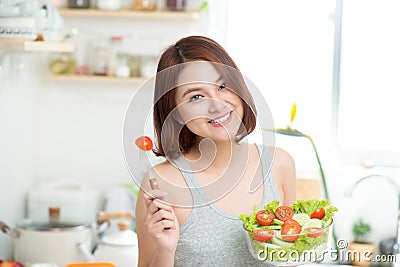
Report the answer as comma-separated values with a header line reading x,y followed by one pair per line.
x,y
189,49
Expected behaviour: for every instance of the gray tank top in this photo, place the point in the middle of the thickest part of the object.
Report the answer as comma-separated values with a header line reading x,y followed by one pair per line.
x,y
212,237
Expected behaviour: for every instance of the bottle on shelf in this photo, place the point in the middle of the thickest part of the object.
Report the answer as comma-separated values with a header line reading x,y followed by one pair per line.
x,y
178,5
100,59
144,5
62,63
115,43
78,3
123,70
109,4
135,65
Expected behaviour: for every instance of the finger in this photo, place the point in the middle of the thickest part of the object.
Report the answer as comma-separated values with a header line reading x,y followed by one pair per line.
x,y
153,194
163,215
164,225
156,205
157,194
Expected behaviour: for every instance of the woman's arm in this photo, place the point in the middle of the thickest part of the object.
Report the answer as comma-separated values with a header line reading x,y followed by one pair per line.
x,y
157,228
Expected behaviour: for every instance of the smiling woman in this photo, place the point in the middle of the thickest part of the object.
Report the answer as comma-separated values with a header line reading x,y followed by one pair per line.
x,y
203,110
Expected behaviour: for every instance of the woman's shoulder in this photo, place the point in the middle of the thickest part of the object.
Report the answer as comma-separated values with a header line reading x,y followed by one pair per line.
x,y
281,158
280,154
169,172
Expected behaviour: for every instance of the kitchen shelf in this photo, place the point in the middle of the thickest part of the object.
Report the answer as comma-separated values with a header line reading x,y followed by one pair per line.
x,y
37,46
127,13
96,78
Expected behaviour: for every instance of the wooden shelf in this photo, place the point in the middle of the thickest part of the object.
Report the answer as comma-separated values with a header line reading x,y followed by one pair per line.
x,y
30,46
95,78
127,13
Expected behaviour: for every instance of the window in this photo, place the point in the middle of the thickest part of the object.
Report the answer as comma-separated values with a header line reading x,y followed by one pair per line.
x,y
285,47
369,80
339,60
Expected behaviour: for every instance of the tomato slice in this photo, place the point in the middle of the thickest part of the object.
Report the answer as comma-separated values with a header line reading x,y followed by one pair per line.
x,y
265,217
284,212
313,232
263,235
291,222
318,214
290,232
144,143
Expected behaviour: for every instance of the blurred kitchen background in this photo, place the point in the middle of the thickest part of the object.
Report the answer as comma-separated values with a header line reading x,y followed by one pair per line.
x,y
63,101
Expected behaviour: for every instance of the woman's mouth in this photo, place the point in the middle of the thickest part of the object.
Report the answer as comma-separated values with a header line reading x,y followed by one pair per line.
x,y
218,122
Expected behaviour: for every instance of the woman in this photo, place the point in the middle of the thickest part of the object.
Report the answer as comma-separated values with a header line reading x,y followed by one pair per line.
x,y
202,112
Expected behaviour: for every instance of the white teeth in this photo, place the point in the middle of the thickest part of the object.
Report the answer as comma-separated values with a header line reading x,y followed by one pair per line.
x,y
221,120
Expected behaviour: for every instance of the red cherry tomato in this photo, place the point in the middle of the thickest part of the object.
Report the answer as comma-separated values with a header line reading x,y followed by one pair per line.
x,y
144,143
318,214
284,212
265,217
314,232
290,232
291,222
263,235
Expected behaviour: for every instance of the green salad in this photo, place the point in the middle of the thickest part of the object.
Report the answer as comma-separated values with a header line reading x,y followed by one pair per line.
x,y
281,233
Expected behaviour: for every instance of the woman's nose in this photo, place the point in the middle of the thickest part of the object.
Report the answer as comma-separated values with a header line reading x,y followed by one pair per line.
x,y
216,105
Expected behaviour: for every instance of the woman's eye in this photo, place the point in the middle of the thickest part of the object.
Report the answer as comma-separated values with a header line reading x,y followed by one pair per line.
x,y
222,86
195,97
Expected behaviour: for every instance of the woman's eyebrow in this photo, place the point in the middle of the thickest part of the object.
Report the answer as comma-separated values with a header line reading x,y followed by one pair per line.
x,y
189,90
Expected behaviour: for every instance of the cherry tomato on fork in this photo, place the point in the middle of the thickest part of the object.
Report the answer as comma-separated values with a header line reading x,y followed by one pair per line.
x,y
263,235
284,212
265,217
318,214
144,143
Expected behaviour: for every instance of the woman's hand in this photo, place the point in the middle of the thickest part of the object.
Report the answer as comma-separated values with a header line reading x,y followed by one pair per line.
x,y
161,222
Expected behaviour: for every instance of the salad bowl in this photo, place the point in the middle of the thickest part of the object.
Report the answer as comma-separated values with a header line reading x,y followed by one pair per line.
x,y
289,236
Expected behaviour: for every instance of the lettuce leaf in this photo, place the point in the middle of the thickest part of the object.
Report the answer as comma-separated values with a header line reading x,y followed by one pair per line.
x,y
272,206
249,221
309,206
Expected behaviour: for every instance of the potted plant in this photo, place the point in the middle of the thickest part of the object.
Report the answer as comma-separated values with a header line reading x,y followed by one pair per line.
x,y
291,131
361,250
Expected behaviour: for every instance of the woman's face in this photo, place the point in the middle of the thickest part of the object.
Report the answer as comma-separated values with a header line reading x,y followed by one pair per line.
x,y
205,104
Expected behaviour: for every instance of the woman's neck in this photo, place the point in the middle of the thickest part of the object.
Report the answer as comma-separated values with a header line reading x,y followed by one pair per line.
x,y
211,156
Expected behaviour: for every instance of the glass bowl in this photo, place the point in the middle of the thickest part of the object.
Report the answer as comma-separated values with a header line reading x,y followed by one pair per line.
x,y
309,246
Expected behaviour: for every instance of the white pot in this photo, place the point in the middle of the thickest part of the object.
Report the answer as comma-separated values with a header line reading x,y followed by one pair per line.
x,y
119,248
49,243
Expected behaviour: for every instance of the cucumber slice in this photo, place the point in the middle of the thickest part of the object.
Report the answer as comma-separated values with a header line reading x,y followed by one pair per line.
x,y
301,218
271,246
277,241
272,227
313,223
